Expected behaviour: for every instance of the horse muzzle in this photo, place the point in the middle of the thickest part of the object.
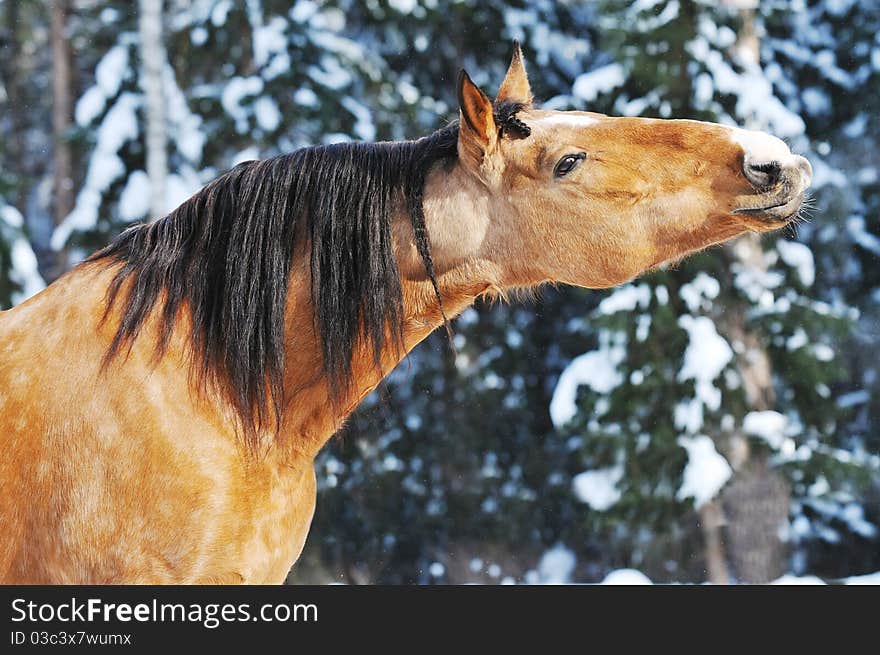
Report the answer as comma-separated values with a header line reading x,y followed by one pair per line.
x,y
780,186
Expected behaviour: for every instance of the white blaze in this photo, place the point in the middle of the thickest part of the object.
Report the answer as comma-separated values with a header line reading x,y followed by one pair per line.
x,y
569,120
760,146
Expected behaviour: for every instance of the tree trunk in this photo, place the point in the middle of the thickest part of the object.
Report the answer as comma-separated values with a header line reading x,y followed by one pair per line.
x,y
711,522
62,94
756,502
152,64
11,67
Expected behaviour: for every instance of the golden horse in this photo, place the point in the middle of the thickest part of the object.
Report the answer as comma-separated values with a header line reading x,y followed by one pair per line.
x,y
161,404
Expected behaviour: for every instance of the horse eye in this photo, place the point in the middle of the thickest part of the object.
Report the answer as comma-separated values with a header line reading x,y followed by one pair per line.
x,y
568,163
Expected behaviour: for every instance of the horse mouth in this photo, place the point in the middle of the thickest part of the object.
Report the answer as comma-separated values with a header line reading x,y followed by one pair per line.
x,y
779,198
781,208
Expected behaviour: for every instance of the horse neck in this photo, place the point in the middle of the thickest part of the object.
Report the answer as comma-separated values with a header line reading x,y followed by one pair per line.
x,y
455,211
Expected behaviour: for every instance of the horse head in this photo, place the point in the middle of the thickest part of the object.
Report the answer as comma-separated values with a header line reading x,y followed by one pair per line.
x,y
591,200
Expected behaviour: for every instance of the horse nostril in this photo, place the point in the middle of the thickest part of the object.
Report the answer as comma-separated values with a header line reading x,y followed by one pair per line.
x,y
762,174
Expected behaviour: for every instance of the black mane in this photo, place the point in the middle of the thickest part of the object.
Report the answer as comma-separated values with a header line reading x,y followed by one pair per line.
x,y
227,252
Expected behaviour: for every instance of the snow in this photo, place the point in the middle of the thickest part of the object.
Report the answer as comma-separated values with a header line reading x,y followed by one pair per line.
x,y
590,85
643,5
119,126
403,6
185,127
636,577
856,127
704,90
236,90
109,74
799,257
816,101
756,100
662,294
330,74
698,293
626,577
559,557
688,415
596,369
220,12
436,570
134,202
598,488
408,92
706,355
303,10
706,472
867,175
854,516
248,154
869,578
853,398
305,97
855,227
556,566
24,271
643,327
625,299
267,114
797,340
820,487
89,106
199,36
111,70
363,127
833,507
825,175
11,216
767,425
823,352
330,18
839,7
392,463
269,40
789,579
179,187
753,280
108,15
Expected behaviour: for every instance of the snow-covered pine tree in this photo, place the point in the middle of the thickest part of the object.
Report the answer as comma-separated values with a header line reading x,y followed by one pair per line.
x,y
824,60
290,77
698,331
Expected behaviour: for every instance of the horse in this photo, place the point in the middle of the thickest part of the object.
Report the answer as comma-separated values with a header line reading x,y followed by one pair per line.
x,y
162,403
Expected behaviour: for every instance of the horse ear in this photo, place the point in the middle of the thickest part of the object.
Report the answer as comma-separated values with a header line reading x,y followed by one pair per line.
x,y
515,87
478,133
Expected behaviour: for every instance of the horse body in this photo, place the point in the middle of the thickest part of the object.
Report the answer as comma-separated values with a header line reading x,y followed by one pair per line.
x,y
135,479
161,462
132,474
